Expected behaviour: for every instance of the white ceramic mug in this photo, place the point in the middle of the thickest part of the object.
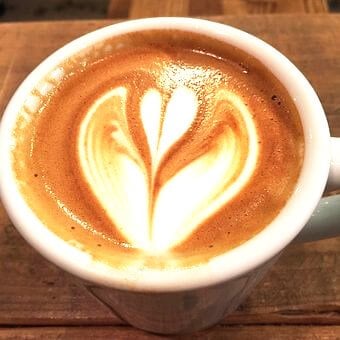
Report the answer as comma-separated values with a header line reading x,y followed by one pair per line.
x,y
191,299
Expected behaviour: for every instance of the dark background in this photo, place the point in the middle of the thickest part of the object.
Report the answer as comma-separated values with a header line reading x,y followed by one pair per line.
x,y
33,10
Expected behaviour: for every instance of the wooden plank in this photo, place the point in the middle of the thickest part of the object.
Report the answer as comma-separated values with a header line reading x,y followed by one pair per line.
x,y
148,8
216,333
33,291
118,8
155,8
302,288
205,7
240,7
302,6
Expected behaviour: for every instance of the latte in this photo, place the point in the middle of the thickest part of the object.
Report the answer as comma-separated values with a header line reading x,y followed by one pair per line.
x,y
158,149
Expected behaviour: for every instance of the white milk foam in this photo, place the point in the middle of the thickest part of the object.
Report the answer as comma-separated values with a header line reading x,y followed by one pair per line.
x,y
118,177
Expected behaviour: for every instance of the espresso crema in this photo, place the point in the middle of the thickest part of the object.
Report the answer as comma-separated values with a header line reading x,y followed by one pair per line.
x,y
158,149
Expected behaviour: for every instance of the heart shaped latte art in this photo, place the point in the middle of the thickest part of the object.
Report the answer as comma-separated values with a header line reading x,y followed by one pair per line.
x,y
153,208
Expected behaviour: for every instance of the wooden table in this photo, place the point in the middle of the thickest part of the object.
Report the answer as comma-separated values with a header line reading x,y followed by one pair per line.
x,y
147,8
298,299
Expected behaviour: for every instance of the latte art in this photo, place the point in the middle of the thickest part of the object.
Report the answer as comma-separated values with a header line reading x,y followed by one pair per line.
x,y
158,149
156,219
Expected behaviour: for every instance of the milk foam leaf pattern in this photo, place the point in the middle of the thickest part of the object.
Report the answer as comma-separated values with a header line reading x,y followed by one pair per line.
x,y
179,115
157,221
201,188
151,108
163,130
113,168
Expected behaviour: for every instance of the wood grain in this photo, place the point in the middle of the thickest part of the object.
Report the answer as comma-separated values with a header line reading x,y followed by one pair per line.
x,y
240,7
149,8
118,8
216,333
303,288
154,8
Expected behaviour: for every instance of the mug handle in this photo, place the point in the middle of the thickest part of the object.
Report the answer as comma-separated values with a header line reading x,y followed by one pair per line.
x,y
325,221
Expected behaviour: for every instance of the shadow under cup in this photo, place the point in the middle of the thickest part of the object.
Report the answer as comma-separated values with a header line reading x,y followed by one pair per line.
x,y
191,298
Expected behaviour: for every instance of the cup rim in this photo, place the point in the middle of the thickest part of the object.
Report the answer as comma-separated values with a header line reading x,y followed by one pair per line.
x,y
235,262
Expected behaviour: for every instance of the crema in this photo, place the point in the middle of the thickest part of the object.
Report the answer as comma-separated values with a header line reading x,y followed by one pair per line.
x,y
160,149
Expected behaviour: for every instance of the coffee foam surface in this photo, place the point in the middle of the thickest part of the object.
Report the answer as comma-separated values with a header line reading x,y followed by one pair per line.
x,y
156,220
175,153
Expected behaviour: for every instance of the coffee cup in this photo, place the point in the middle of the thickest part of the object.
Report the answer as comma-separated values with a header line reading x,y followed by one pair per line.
x,y
185,298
